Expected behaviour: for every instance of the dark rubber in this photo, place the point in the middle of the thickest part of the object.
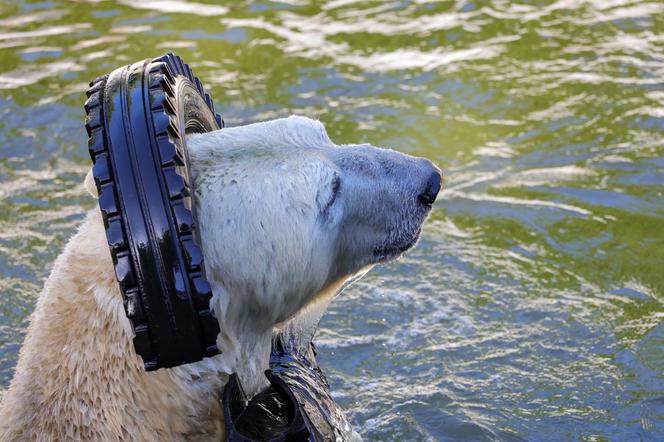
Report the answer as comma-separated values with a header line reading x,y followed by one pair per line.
x,y
297,406
137,118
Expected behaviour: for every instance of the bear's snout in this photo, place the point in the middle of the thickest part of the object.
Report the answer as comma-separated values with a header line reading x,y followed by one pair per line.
x,y
431,187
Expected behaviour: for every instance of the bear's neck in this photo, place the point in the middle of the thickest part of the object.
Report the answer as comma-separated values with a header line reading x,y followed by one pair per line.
x,y
246,341
245,350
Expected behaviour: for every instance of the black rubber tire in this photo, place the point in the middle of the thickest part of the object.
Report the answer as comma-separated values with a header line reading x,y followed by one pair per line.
x,y
296,406
137,118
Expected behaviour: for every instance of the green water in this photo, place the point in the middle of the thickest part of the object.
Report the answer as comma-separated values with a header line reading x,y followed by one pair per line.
x,y
532,308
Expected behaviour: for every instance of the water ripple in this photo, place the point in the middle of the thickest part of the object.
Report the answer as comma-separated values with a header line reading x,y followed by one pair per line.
x,y
533,304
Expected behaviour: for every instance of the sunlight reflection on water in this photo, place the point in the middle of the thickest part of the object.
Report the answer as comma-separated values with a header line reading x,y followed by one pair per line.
x,y
533,304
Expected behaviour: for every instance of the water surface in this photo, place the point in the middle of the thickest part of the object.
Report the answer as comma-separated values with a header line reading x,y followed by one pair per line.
x,y
532,308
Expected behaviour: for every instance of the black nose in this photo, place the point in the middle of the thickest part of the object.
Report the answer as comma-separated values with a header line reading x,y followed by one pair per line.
x,y
431,189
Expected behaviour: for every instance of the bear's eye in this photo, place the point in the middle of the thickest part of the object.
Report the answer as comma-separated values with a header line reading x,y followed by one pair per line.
x,y
336,186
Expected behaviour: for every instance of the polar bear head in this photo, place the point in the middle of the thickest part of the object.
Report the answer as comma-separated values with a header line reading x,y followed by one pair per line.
x,y
286,217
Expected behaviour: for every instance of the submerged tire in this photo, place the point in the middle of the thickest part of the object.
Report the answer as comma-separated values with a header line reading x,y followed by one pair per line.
x,y
137,119
296,406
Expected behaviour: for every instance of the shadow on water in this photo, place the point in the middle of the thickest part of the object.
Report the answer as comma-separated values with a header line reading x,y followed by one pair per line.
x,y
532,306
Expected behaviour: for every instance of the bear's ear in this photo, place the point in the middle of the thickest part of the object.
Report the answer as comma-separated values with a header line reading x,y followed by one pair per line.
x,y
90,185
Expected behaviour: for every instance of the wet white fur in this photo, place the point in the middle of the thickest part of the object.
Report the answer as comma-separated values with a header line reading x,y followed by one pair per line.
x,y
266,255
278,242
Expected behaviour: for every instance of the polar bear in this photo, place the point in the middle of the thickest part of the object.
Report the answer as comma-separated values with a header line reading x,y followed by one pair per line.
x,y
286,219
